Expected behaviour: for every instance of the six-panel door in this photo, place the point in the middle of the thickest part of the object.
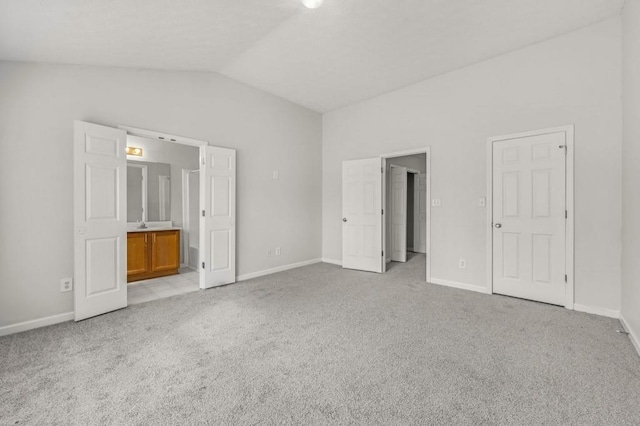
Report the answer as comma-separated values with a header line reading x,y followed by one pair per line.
x,y
529,217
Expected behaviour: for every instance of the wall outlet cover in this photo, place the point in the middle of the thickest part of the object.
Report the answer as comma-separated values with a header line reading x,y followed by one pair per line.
x,y
66,284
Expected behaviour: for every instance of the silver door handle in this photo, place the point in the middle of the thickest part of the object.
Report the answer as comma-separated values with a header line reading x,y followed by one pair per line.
x,y
344,219
498,225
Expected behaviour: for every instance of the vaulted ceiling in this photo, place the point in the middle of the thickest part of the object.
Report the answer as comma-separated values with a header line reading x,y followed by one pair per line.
x,y
342,53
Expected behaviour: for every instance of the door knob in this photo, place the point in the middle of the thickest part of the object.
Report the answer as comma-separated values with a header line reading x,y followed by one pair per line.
x,y
344,219
498,225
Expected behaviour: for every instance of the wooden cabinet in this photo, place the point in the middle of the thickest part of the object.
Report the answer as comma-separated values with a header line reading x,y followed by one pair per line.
x,y
152,254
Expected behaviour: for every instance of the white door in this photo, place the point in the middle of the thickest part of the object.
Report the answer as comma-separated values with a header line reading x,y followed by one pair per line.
x,y
100,219
420,213
217,223
398,214
362,215
529,217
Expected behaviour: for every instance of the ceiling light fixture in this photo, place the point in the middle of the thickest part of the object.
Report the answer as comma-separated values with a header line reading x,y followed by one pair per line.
x,y
132,150
312,4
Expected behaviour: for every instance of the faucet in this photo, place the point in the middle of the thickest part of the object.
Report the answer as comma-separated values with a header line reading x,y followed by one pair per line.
x,y
142,225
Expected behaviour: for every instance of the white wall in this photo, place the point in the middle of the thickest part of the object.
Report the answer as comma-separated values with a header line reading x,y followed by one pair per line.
x,y
573,79
38,104
631,168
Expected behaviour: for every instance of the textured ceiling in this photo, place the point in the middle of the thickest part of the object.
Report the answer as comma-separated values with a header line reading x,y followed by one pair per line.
x,y
342,53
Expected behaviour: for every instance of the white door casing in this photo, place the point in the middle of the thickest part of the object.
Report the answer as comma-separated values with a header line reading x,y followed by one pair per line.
x,y
164,196
529,210
362,215
217,224
420,213
100,219
398,214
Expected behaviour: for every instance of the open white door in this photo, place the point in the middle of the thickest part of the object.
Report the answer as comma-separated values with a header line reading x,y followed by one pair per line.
x,y
529,217
362,215
420,213
217,222
100,219
399,214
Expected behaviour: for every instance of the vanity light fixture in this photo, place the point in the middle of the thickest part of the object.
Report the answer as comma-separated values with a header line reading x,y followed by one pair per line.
x,y
312,4
132,150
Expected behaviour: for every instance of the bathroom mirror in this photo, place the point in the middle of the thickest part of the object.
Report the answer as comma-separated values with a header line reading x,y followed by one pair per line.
x,y
148,191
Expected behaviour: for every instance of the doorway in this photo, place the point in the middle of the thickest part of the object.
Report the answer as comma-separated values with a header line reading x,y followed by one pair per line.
x,y
100,217
530,220
406,204
157,243
367,216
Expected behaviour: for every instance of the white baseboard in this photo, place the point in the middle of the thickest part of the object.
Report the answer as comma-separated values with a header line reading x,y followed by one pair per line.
x,y
37,323
596,311
276,269
463,286
332,261
633,336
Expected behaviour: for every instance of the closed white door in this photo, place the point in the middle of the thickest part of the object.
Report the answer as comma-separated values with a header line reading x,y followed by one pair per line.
x,y
100,219
218,220
362,214
420,213
529,217
398,214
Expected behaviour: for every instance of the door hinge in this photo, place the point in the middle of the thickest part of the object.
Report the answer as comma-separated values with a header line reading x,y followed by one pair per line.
x,y
202,265
563,147
202,160
382,253
382,211
202,213
381,169
566,214
565,278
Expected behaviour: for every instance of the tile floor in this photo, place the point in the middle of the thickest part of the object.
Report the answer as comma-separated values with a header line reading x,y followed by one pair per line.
x,y
159,288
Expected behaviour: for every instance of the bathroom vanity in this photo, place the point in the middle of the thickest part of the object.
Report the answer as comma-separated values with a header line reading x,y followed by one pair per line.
x,y
152,253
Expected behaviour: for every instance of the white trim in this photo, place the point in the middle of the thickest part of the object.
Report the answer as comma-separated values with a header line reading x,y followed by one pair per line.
x,y
332,261
462,286
427,151
569,131
36,323
633,336
610,313
142,133
277,269
145,184
404,153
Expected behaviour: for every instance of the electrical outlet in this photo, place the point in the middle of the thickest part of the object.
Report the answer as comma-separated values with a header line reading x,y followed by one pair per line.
x,y
436,202
276,175
482,202
269,253
277,251
66,284
462,263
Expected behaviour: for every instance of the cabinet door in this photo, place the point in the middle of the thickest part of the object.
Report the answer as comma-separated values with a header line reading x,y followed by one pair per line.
x,y
137,253
165,250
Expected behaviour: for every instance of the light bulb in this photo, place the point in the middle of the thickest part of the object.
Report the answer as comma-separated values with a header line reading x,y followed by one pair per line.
x,y
312,4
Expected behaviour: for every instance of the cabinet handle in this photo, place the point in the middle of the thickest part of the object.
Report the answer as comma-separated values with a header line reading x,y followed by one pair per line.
x,y
154,238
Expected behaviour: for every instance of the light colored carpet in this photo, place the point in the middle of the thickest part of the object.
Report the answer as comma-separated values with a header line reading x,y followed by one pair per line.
x,y
322,345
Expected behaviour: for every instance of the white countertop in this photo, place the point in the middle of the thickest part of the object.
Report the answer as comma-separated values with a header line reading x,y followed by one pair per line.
x,y
155,228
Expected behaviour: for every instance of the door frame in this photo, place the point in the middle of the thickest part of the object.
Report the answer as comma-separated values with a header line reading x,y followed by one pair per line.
x,y
186,211
166,137
569,131
385,157
144,170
